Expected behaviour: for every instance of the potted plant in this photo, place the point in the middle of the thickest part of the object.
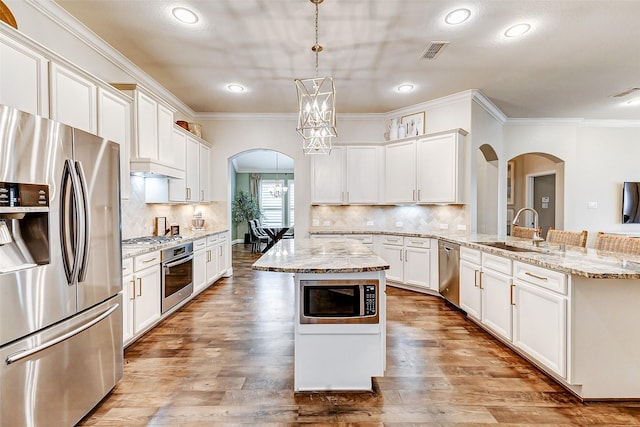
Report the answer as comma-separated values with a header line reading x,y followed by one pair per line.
x,y
244,209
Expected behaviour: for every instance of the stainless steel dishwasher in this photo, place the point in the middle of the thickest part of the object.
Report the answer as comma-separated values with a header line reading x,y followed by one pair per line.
x,y
449,271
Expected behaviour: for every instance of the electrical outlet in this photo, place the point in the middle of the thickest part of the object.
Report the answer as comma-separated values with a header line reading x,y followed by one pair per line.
x,y
444,226
369,223
398,223
462,227
592,205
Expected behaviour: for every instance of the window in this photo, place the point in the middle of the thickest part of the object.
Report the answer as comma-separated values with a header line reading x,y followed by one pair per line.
x,y
276,211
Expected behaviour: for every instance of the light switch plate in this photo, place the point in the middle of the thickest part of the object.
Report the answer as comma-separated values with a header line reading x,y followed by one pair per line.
x,y
462,227
369,223
398,223
444,226
592,205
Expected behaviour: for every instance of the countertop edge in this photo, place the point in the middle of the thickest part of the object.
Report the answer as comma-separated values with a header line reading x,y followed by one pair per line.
x,y
131,251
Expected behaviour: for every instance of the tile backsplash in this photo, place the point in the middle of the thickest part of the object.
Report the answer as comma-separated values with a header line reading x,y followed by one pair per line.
x,y
400,218
138,217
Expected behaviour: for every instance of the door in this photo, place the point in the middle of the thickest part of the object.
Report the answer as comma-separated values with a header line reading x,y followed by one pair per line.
x,y
470,292
496,302
417,266
544,201
393,255
400,176
97,163
327,177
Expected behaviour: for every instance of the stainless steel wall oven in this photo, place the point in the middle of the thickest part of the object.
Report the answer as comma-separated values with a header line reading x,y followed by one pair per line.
x,y
177,275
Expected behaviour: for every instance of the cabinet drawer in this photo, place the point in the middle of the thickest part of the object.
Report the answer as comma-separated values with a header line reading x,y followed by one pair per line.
x,y
212,240
392,240
548,279
222,236
199,244
417,242
145,261
471,255
496,263
127,266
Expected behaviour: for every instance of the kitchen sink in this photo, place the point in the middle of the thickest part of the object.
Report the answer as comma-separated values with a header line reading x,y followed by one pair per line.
x,y
507,247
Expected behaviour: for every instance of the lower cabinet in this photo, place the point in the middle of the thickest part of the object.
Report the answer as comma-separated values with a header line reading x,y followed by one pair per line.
x,y
212,258
409,259
199,265
470,290
142,295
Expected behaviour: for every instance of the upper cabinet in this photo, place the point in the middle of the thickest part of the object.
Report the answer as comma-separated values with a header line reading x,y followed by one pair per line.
x,y
349,175
73,98
24,82
426,170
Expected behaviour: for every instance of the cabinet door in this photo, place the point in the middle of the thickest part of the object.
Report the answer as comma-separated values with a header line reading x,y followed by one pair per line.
x,y
212,263
146,127
437,174
327,180
223,247
470,292
362,173
114,124
540,326
204,175
393,254
417,267
147,298
191,172
400,172
128,302
199,270
178,187
496,302
166,150
73,99
23,78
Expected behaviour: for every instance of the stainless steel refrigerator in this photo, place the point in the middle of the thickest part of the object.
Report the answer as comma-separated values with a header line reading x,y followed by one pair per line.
x,y
60,271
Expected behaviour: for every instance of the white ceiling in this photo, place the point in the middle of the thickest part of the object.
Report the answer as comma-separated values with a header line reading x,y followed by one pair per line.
x,y
262,161
578,54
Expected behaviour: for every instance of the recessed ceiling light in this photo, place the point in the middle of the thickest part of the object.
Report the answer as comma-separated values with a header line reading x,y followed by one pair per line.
x,y
235,88
517,30
634,102
405,87
185,15
457,16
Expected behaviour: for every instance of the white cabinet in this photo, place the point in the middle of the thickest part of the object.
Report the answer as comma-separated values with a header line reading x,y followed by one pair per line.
x,y
128,295
199,265
141,295
192,181
166,150
177,187
204,174
540,316
409,259
470,290
497,298
73,98
212,259
400,172
24,78
223,257
349,175
114,124
146,141
426,170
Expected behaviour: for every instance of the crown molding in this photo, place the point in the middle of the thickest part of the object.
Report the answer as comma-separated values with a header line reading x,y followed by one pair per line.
x,y
483,101
64,19
283,116
577,122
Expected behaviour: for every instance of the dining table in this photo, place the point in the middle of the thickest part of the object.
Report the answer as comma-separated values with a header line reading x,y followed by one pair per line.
x,y
275,235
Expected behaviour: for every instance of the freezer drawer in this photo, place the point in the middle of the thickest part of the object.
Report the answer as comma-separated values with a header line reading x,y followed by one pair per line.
x,y
60,384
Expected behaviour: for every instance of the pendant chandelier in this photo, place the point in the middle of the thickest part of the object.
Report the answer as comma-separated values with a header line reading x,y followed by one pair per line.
x,y
316,106
279,189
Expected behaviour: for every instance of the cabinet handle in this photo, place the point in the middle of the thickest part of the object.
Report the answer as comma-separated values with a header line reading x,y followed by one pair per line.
x,y
400,254
481,280
413,196
133,287
208,255
536,277
475,278
201,195
347,197
511,293
146,261
139,287
418,199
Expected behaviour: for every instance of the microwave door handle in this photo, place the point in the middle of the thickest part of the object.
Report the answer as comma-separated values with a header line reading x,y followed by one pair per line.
x,y
361,300
68,225
86,223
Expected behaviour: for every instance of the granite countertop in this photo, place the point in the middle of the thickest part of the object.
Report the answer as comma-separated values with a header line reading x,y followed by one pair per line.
x,y
583,262
132,250
320,256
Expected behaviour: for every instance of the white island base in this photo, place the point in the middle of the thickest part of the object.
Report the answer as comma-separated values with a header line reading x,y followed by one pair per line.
x,y
341,356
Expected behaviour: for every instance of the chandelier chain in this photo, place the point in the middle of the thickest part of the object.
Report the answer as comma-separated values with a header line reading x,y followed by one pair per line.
x,y
316,47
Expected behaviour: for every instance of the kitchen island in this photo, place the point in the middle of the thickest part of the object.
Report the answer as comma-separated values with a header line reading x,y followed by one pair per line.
x,y
340,311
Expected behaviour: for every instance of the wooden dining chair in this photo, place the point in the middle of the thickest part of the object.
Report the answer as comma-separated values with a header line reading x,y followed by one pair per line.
x,y
572,238
614,243
524,232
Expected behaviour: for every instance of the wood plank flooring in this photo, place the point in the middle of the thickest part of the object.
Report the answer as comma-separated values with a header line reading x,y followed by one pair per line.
x,y
226,359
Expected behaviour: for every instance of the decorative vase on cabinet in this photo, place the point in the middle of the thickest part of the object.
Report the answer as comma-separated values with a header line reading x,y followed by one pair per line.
x,y
393,129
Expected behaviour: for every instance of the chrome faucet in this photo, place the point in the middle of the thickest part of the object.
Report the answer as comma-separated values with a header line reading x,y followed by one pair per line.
x,y
536,237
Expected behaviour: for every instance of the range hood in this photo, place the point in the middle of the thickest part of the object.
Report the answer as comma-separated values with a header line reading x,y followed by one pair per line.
x,y
154,168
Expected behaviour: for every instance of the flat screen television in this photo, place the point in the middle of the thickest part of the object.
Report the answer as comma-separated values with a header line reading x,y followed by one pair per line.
x,y
631,203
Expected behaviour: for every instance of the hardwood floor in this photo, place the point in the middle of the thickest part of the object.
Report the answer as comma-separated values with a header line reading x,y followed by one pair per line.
x,y
226,358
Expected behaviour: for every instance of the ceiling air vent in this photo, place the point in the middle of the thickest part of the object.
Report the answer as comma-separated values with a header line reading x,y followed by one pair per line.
x,y
433,50
626,92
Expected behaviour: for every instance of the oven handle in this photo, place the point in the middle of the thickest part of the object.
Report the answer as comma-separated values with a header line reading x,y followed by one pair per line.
x,y
178,262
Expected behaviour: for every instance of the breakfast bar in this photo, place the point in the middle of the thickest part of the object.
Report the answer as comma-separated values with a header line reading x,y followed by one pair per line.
x,y
340,311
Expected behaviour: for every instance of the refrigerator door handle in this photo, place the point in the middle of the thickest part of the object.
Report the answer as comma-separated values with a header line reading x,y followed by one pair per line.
x,y
68,222
26,353
86,222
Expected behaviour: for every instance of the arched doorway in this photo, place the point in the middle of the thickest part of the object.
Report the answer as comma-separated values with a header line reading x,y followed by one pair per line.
x,y
267,177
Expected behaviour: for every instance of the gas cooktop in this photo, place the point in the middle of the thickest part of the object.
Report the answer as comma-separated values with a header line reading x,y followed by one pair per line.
x,y
151,240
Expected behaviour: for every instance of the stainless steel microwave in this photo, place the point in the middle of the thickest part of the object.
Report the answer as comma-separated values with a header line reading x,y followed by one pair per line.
x,y
339,301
